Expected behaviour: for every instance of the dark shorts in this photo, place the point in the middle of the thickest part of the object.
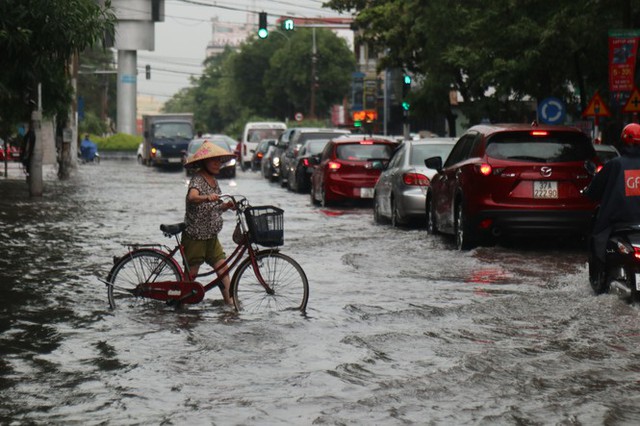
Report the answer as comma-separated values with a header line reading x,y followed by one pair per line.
x,y
197,252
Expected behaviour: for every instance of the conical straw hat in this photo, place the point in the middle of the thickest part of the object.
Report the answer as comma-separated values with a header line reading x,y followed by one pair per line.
x,y
210,150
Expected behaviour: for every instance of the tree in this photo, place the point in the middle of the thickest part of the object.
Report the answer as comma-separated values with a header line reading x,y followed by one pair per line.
x,y
37,41
268,79
495,53
97,89
288,79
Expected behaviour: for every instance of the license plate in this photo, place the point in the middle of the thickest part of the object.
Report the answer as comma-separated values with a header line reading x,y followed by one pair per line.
x,y
174,160
366,192
638,282
545,189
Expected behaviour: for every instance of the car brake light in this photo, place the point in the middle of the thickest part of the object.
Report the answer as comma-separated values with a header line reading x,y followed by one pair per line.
x,y
259,155
305,162
486,223
415,179
366,142
333,165
636,252
485,169
598,168
539,133
154,151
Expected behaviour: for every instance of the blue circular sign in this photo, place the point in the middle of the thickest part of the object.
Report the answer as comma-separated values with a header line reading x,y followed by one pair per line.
x,y
551,111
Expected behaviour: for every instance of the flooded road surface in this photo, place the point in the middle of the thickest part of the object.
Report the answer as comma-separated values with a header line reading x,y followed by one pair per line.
x,y
400,328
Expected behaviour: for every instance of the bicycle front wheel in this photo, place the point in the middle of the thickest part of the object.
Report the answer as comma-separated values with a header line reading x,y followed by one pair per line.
x,y
288,285
136,268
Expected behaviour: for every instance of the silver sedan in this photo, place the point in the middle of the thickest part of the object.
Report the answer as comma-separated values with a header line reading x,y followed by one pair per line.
x,y
399,194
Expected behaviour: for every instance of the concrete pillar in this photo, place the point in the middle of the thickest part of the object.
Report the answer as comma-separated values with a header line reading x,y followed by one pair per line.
x,y
127,91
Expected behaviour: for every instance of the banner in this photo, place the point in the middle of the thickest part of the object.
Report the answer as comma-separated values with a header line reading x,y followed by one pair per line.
x,y
623,48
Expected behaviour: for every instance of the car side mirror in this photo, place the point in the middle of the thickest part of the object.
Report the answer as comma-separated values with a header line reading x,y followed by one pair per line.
x,y
590,167
434,163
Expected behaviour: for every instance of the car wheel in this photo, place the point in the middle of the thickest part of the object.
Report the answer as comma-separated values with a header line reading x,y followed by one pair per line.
x,y
464,239
323,198
312,195
395,214
432,228
377,216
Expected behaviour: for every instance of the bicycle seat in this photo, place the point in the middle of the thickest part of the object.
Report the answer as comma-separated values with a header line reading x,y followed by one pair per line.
x,y
173,229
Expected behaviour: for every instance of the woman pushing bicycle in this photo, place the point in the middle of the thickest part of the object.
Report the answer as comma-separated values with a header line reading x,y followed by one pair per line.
x,y
203,215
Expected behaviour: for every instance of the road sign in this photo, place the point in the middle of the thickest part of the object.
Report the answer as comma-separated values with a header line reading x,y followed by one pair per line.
x,y
298,116
596,107
633,103
551,111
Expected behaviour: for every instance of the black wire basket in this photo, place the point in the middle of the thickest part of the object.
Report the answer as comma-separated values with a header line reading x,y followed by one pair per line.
x,y
266,225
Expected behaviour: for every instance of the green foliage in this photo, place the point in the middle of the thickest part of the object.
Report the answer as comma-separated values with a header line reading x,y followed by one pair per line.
x,y
267,80
92,124
494,53
98,91
37,41
117,142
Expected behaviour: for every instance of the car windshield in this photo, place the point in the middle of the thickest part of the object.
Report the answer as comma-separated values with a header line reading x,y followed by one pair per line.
x,y
363,151
256,135
316,146
173,130
605,156
553,147
421,152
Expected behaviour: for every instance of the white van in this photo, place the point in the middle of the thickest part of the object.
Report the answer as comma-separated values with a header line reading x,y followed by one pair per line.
x,y
253,133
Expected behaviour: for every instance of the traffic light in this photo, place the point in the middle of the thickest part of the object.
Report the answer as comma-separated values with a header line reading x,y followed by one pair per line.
x,y
406,85
263,32
147,72
288,24
405,106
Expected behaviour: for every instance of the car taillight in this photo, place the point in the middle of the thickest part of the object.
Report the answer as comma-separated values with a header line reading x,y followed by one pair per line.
x,y
636,252
154,151
539,133
598,168
259,155
415,179
333,165
366,142
305,162
484,169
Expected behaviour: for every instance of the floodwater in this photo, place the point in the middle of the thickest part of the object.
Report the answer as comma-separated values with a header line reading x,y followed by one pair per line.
x,y
400,328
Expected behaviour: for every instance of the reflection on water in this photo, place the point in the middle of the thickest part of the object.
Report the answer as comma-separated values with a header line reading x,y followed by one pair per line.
x,y
400,328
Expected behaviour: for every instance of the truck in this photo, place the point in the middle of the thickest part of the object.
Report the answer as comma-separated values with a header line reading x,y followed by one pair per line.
x,y
166,138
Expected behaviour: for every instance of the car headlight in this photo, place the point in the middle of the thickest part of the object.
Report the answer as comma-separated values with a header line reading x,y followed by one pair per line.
x,y
276,161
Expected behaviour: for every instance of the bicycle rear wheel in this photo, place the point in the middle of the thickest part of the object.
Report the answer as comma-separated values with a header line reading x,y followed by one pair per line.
x,y
285,277
139,267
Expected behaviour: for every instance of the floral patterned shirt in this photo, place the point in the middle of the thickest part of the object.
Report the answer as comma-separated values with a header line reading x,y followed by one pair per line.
x,y
203,220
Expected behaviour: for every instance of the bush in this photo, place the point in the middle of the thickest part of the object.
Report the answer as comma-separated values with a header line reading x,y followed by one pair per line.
x,y
117,142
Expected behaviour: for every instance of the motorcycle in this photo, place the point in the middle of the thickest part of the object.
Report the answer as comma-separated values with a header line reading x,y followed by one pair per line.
x,y
621,270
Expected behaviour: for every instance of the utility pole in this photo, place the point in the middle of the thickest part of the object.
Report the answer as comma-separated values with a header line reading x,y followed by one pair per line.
x,y
314,83
34,178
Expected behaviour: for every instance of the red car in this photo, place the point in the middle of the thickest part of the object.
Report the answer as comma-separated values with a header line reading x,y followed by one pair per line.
x,y
12,154
512,179
348,168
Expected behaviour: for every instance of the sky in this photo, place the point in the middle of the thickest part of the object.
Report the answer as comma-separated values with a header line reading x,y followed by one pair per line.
x,y
181,40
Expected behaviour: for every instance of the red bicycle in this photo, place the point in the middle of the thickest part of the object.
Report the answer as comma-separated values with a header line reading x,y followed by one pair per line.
x,y
264,279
